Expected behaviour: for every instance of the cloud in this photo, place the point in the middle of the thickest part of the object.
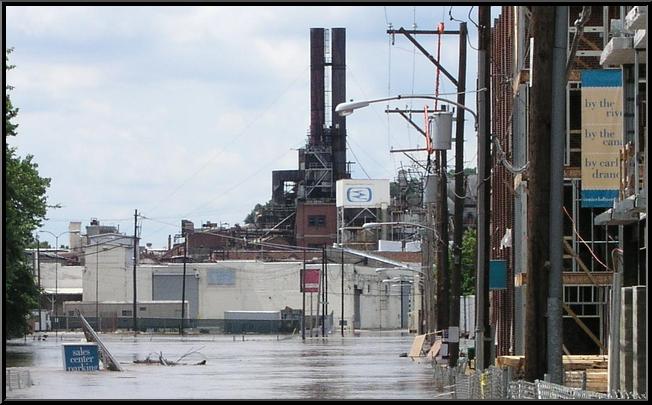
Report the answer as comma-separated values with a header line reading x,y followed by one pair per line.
x,y
187,110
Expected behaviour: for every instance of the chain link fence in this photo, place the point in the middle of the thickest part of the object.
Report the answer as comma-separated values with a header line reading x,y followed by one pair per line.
x,y
496,383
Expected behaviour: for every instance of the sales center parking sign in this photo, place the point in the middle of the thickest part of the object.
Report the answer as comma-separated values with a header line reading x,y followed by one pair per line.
x,y
80,357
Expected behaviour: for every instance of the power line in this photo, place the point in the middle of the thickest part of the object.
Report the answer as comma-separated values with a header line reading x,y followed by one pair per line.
x,y
231,141
358,160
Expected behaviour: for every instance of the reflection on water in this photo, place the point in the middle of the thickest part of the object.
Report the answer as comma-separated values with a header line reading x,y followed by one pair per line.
x,y
366,366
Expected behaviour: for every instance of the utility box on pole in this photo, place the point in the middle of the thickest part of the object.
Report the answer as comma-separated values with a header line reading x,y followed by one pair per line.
x,y
441,124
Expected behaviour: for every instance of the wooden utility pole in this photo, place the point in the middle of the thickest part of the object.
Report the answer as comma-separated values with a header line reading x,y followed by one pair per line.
x,y
542,25
135,260
483,332
458,229
40,294
303,296
183,283
441,244
342,293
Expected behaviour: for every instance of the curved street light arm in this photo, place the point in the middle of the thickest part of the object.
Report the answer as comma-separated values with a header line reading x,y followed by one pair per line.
x,y
345,109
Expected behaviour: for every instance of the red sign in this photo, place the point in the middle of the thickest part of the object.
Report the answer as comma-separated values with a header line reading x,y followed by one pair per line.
x,y
311,280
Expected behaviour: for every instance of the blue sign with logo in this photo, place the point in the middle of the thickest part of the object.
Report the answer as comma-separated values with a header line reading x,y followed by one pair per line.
x,y
359,194
81,357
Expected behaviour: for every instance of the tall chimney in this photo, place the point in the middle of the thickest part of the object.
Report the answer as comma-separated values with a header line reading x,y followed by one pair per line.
x,y
317,115
338,87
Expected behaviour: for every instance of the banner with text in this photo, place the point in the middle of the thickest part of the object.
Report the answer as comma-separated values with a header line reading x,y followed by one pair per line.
x,y
602,136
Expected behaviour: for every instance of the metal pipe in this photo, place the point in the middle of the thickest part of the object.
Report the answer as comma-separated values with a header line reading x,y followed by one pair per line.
x,y
557,137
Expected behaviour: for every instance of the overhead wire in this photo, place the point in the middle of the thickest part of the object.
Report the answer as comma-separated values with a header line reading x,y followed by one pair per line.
x,y
358,160
230,142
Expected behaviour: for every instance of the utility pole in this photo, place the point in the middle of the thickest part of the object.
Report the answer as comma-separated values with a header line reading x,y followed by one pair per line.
x,y
323,291
538,248
135,322
557,137
342,318
183,283
303,295
401,286
97,286
38,267
446,313
441,245
458,229
483,332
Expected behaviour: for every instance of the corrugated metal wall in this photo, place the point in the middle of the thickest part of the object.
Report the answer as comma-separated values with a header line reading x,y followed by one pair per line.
x,y
167,286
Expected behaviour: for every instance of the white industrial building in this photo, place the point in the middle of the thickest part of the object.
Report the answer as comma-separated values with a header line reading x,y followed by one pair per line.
x,y
211,289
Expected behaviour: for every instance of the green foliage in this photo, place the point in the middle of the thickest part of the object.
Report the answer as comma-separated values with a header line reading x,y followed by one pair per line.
x,y
258,209
43,244
469,249
25,208
467,171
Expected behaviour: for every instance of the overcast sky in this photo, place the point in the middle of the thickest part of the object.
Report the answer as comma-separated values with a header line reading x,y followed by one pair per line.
x,y
183,112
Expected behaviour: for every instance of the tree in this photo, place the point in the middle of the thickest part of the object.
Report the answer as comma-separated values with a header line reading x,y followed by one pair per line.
x,y
469,246
25,208
258,209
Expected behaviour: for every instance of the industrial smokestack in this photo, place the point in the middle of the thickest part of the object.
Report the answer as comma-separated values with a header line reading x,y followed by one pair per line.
x,y
338,87
317,109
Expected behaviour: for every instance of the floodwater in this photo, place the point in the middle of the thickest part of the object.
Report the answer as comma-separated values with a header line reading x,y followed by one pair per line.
x,y
261,366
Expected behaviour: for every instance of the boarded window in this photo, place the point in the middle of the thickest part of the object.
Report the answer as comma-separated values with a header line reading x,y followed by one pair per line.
x,y
221,277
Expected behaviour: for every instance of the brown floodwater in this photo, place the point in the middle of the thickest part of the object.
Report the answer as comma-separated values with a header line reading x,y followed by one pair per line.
x,y
261,366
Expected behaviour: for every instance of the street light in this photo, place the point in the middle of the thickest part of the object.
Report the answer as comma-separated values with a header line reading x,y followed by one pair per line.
x,y
56,278
345,109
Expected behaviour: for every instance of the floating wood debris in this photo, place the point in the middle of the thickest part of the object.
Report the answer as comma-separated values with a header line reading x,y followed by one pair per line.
x,y
165,362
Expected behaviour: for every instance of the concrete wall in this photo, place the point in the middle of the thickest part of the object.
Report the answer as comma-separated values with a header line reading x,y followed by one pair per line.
x,y
146,309
254,286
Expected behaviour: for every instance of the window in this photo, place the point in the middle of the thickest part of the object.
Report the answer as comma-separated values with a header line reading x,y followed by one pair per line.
x,y
143,308
126,312
317,220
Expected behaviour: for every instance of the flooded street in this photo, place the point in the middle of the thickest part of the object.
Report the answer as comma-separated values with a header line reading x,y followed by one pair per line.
x,y
365,366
